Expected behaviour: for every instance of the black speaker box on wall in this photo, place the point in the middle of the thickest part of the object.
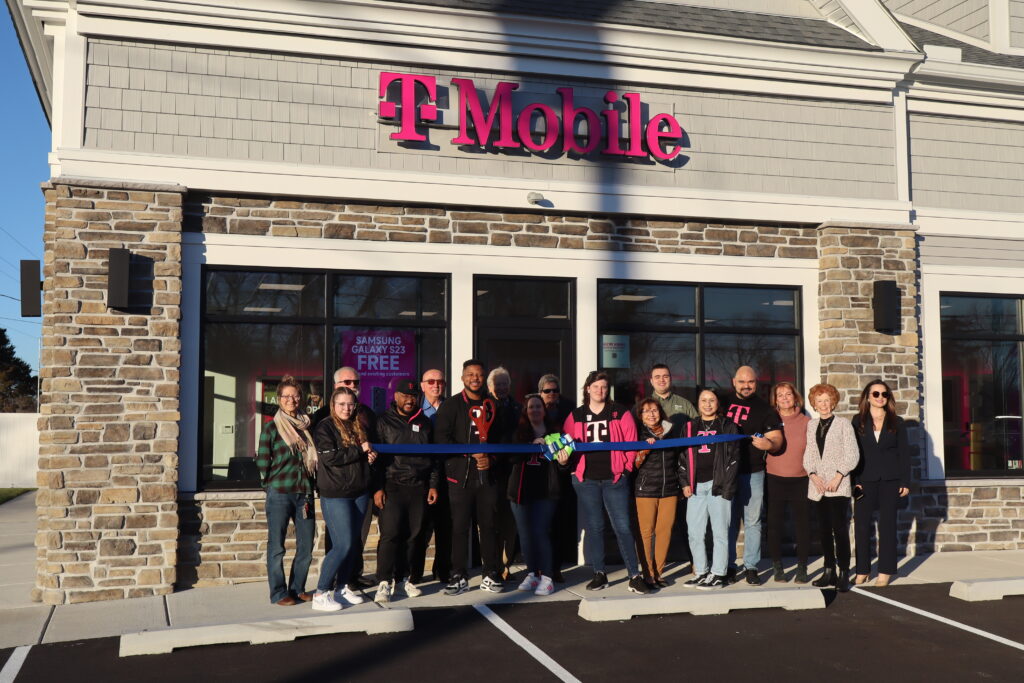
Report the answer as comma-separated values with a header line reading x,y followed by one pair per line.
x,y
31,306
886,304
118,272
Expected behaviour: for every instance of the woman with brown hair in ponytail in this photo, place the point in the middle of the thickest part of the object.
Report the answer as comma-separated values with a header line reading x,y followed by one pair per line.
x,y
286,459
343,479
882,478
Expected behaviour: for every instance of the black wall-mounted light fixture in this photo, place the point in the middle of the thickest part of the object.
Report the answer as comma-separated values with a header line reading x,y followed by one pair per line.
x,y
118,276
886,305
31,286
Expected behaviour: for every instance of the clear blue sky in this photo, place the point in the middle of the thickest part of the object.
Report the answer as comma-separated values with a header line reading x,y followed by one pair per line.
x,y
24,167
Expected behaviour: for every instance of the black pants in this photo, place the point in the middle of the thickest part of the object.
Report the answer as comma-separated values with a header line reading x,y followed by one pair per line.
x,y
834,527
401,528
481,499
792,490
438,522
505,522
565,535
883,496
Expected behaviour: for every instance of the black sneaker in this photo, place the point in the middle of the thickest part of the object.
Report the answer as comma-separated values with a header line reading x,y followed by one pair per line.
x,y
752,578
638,585
697,581
730,575
457,585
599,581
714,582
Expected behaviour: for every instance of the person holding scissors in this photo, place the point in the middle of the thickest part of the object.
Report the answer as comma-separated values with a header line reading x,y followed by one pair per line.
x,y
465,418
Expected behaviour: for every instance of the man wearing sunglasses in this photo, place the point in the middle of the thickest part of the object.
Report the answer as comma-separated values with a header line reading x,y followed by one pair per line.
x,y
349,377
439,515
432,385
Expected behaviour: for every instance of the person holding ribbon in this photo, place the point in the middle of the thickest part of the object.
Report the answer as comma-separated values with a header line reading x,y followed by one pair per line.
x,y
830,457
602,479
786,482
533,491
465,418
710,473
286,460
659,482
343,478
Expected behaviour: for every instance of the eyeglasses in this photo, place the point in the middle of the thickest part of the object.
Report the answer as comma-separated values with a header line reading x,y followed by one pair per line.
x,y
433,382
345,404
350,382
880,394
289,397
549,391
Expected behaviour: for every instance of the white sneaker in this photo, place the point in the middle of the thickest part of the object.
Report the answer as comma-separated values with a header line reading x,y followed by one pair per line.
x,y
411,590
325,602
545,586
350,596
530,582
490,585
383,596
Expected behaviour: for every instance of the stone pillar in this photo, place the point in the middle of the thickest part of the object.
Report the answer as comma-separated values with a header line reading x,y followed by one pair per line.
x,y
108,430
852,256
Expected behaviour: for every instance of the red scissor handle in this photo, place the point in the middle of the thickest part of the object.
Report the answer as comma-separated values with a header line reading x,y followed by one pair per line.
x,y
483,417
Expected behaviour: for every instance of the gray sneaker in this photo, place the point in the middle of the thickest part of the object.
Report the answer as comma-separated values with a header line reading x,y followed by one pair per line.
x,y
457,585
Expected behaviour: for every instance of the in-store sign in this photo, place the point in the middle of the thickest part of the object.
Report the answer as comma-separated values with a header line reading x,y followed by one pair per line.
x,y
501,125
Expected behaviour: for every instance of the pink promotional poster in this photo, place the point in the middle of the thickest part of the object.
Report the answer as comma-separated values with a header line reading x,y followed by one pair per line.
x,y
380,357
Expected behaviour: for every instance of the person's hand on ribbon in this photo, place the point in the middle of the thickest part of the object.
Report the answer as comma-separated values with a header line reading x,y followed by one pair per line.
x,y
562,456
371,454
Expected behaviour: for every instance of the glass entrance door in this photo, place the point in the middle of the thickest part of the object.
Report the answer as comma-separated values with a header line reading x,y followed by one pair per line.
x,y
526,325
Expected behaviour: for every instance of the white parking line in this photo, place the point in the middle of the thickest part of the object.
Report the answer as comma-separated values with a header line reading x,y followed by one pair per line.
x,y
13,664
944,620
521,640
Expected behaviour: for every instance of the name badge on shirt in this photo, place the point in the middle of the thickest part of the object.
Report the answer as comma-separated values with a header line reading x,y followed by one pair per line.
x,y
415,428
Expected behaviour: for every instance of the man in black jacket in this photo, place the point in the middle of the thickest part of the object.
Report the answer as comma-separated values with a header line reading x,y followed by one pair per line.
x,y
405,486
470,484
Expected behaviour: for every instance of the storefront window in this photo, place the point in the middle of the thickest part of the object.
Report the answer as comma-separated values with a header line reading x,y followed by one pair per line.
x,y
982,342
262,325
646,323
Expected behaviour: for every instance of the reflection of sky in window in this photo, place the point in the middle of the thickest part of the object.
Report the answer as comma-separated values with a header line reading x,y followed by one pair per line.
x,y
761,308
633,303
521,298
247,293
400,298
964,314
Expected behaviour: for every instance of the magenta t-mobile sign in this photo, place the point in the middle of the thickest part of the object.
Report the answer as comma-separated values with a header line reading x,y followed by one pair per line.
x,y
502,126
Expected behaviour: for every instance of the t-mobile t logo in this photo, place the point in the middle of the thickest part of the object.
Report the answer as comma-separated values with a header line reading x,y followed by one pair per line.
x,y
738,413
597,432
706,448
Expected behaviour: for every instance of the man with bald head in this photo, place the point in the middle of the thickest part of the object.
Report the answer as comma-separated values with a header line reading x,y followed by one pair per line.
x,y
753,415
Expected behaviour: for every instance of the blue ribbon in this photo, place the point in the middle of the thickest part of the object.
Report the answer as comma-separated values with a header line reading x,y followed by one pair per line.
x,y
519,448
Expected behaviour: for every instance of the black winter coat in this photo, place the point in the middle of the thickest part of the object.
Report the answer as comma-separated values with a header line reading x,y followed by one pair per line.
x,y
453,426
726,454
342,471
663,473
406,470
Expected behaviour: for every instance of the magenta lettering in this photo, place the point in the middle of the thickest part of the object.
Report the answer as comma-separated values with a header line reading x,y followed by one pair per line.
x,y
706,448
503,126
738,413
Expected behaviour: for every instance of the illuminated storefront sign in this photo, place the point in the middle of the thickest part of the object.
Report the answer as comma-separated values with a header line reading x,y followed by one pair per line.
x,y
501,125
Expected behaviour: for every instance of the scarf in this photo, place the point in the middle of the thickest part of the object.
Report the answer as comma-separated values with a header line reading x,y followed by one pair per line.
x,y
295,432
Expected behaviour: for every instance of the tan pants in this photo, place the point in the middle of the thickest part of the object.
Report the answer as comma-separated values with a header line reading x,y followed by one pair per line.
x,y
655,517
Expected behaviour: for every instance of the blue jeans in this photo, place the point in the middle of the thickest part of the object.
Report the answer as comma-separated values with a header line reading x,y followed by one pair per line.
x,y
594,497
280,508
344,519
533,520
700,507
747,505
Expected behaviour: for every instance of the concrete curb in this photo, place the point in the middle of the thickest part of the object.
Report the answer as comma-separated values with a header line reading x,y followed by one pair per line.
x,y
258,633
700,603
986,589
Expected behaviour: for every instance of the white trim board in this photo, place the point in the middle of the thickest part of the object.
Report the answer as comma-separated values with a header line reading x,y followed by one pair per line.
x,y
463,262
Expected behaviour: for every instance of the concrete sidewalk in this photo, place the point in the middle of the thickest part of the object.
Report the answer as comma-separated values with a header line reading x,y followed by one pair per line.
x,y
23,622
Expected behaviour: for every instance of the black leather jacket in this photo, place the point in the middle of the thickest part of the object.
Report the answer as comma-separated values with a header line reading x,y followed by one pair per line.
x,y
342,471
407,470
726,454
662,474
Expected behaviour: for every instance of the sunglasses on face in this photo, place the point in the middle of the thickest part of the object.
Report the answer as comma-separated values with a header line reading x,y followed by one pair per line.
x,y
433,382
549,391
880,394
350,382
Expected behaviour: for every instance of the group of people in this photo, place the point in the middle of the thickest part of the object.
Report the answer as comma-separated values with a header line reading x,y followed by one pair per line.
x,y
527,500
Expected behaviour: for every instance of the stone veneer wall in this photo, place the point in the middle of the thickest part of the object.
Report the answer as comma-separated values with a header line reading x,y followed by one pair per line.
x,y
108,431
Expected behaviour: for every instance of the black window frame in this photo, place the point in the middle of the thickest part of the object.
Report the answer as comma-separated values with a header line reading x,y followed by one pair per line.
x,y
700,329
1017,338
328,321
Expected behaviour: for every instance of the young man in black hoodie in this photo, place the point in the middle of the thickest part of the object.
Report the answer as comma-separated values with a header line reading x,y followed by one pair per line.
x,y
471,486
403,488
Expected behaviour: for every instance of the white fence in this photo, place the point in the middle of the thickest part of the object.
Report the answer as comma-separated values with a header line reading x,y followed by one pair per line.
x,y
19,449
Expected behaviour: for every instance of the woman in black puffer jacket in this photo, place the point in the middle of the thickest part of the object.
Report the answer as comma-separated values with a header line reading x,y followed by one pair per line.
x,y
658,485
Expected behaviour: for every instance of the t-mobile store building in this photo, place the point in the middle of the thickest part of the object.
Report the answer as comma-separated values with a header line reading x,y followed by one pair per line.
x,y
398,186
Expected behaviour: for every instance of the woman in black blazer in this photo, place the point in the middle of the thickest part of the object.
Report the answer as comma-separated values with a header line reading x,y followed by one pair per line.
x,y
882,478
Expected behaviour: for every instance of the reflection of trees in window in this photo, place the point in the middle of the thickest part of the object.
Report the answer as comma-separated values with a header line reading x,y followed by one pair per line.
x,y
773,358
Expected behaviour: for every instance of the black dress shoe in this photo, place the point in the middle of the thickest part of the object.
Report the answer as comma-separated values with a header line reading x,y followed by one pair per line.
x,y
752,578
843,580
827,578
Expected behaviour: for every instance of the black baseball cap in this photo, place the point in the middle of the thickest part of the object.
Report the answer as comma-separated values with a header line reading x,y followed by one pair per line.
x,y
407,386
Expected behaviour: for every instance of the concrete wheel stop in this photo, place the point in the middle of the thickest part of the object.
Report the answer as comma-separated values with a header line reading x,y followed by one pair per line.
x,y
260,632
700,603
986,589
